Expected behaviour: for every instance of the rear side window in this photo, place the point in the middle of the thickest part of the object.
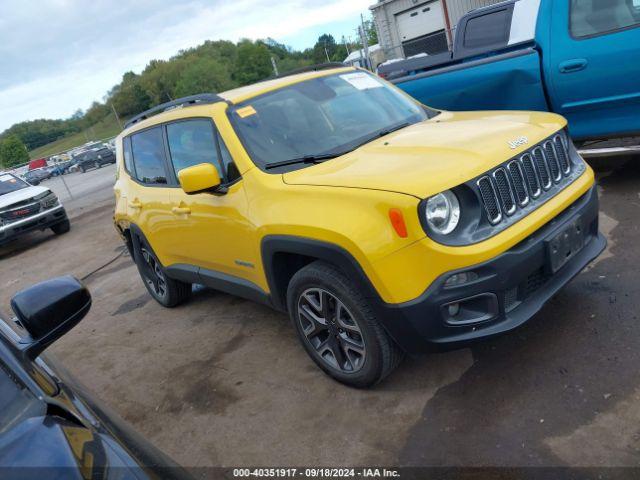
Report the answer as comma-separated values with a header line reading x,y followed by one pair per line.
x,y
148,156
596,17
488,30
192,142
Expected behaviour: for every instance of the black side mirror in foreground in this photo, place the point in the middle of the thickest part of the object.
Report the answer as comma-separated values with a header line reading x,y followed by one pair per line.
x,y
47,311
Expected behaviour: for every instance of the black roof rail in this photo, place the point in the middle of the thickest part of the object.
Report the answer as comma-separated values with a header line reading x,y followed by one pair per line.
x,y
201,99
312,68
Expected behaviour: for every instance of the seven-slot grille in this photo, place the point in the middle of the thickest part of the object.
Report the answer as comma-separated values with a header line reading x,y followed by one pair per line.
x,y
524,179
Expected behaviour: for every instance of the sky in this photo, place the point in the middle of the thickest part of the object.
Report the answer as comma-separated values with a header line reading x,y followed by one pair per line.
x,y
57,56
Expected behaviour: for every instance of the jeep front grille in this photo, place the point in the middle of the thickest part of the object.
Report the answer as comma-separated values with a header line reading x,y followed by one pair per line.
x,y
490,200
525,180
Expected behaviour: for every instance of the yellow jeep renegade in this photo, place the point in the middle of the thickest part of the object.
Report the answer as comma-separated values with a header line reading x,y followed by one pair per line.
x,y
380,225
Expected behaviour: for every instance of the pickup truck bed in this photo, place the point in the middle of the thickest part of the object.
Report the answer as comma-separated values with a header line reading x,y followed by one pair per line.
x,y
539,55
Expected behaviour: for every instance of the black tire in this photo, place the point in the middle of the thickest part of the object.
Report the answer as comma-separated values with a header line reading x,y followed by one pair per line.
x,y
97,165
62,227
166,291
360,327
82,169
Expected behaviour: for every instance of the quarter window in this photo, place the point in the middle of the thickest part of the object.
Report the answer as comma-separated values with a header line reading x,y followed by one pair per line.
x,y
128,159
148,156
192,142
595,17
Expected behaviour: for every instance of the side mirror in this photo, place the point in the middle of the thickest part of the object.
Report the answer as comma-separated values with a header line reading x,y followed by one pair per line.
x,y
47,311
199,178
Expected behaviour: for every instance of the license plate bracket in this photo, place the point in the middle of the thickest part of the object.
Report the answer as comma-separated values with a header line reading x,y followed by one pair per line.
x,y
565,245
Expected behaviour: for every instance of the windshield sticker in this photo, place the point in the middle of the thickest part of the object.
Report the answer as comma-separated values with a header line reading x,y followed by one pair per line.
x,y
245,112
361,80
7,178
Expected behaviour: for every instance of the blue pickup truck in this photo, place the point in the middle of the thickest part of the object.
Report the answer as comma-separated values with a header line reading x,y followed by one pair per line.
x,y
578,58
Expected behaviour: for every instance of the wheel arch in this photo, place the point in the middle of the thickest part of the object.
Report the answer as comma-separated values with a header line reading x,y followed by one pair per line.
x,y
284,255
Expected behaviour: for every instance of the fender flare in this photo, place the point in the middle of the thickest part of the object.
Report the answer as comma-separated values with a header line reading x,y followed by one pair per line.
x,y
271,245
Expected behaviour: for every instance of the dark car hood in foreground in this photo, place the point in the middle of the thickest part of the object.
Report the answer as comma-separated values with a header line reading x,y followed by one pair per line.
x,y
79,437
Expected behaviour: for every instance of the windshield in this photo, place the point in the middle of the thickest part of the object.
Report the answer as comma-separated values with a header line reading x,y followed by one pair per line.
x,y
322,116
9,183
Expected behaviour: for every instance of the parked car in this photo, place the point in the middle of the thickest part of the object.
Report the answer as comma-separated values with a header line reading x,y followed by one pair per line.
x,y
380,225
569,57
50,426
34,177
95,158
24,208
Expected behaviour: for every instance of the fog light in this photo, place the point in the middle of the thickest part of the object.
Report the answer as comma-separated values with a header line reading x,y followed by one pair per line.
x,y
462,278
454,309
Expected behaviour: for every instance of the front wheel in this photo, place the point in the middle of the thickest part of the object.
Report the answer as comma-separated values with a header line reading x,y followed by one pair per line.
x,y
166,291
62,227
338,327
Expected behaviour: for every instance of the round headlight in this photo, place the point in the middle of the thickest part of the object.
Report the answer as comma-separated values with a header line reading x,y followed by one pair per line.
x,y
443,212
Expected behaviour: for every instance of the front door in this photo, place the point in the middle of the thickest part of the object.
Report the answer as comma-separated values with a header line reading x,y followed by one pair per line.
x,y
215,233
593,66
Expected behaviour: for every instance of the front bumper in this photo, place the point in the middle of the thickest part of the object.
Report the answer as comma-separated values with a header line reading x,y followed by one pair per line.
x,y
39,221
509,289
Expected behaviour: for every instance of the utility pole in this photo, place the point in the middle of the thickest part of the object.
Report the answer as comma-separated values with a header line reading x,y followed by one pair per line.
x,y
275,67
346,45
326,53
365,43
116,114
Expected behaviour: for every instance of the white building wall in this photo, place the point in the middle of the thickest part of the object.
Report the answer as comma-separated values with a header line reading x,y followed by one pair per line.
x,y
459,8
384,14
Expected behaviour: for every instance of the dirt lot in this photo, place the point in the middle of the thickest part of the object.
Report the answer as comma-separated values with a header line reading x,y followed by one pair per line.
x,y
222,381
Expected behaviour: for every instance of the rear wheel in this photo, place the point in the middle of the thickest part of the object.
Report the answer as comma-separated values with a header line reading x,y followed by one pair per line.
x,y
62,227
338,327
82,169
166,291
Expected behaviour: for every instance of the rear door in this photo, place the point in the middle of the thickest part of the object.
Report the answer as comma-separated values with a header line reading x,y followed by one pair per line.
x,y
149,192
593,66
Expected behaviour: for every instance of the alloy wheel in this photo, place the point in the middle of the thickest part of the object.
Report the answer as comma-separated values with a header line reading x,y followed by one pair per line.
x,y
153,274
331,330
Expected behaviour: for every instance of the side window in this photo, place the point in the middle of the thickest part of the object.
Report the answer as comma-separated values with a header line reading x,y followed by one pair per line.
x,y
595,17
232,171
192,142
488,30
148,156
128,159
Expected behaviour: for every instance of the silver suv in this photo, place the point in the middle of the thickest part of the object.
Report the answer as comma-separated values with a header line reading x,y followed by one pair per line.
x,y
24,207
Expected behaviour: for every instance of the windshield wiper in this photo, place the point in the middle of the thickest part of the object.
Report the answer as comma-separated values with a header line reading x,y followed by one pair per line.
x,y
395,128
305,159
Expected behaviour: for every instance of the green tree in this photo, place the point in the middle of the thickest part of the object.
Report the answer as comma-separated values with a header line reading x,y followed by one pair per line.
x,y
371,32
254,62
325,46
12,152
203,75
129,97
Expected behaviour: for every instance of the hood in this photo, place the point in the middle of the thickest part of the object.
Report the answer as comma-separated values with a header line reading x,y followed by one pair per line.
x,y
21,195
435,155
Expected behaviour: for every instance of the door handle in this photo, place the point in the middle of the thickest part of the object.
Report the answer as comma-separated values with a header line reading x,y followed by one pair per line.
x,y
575,65
135,204
181,210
